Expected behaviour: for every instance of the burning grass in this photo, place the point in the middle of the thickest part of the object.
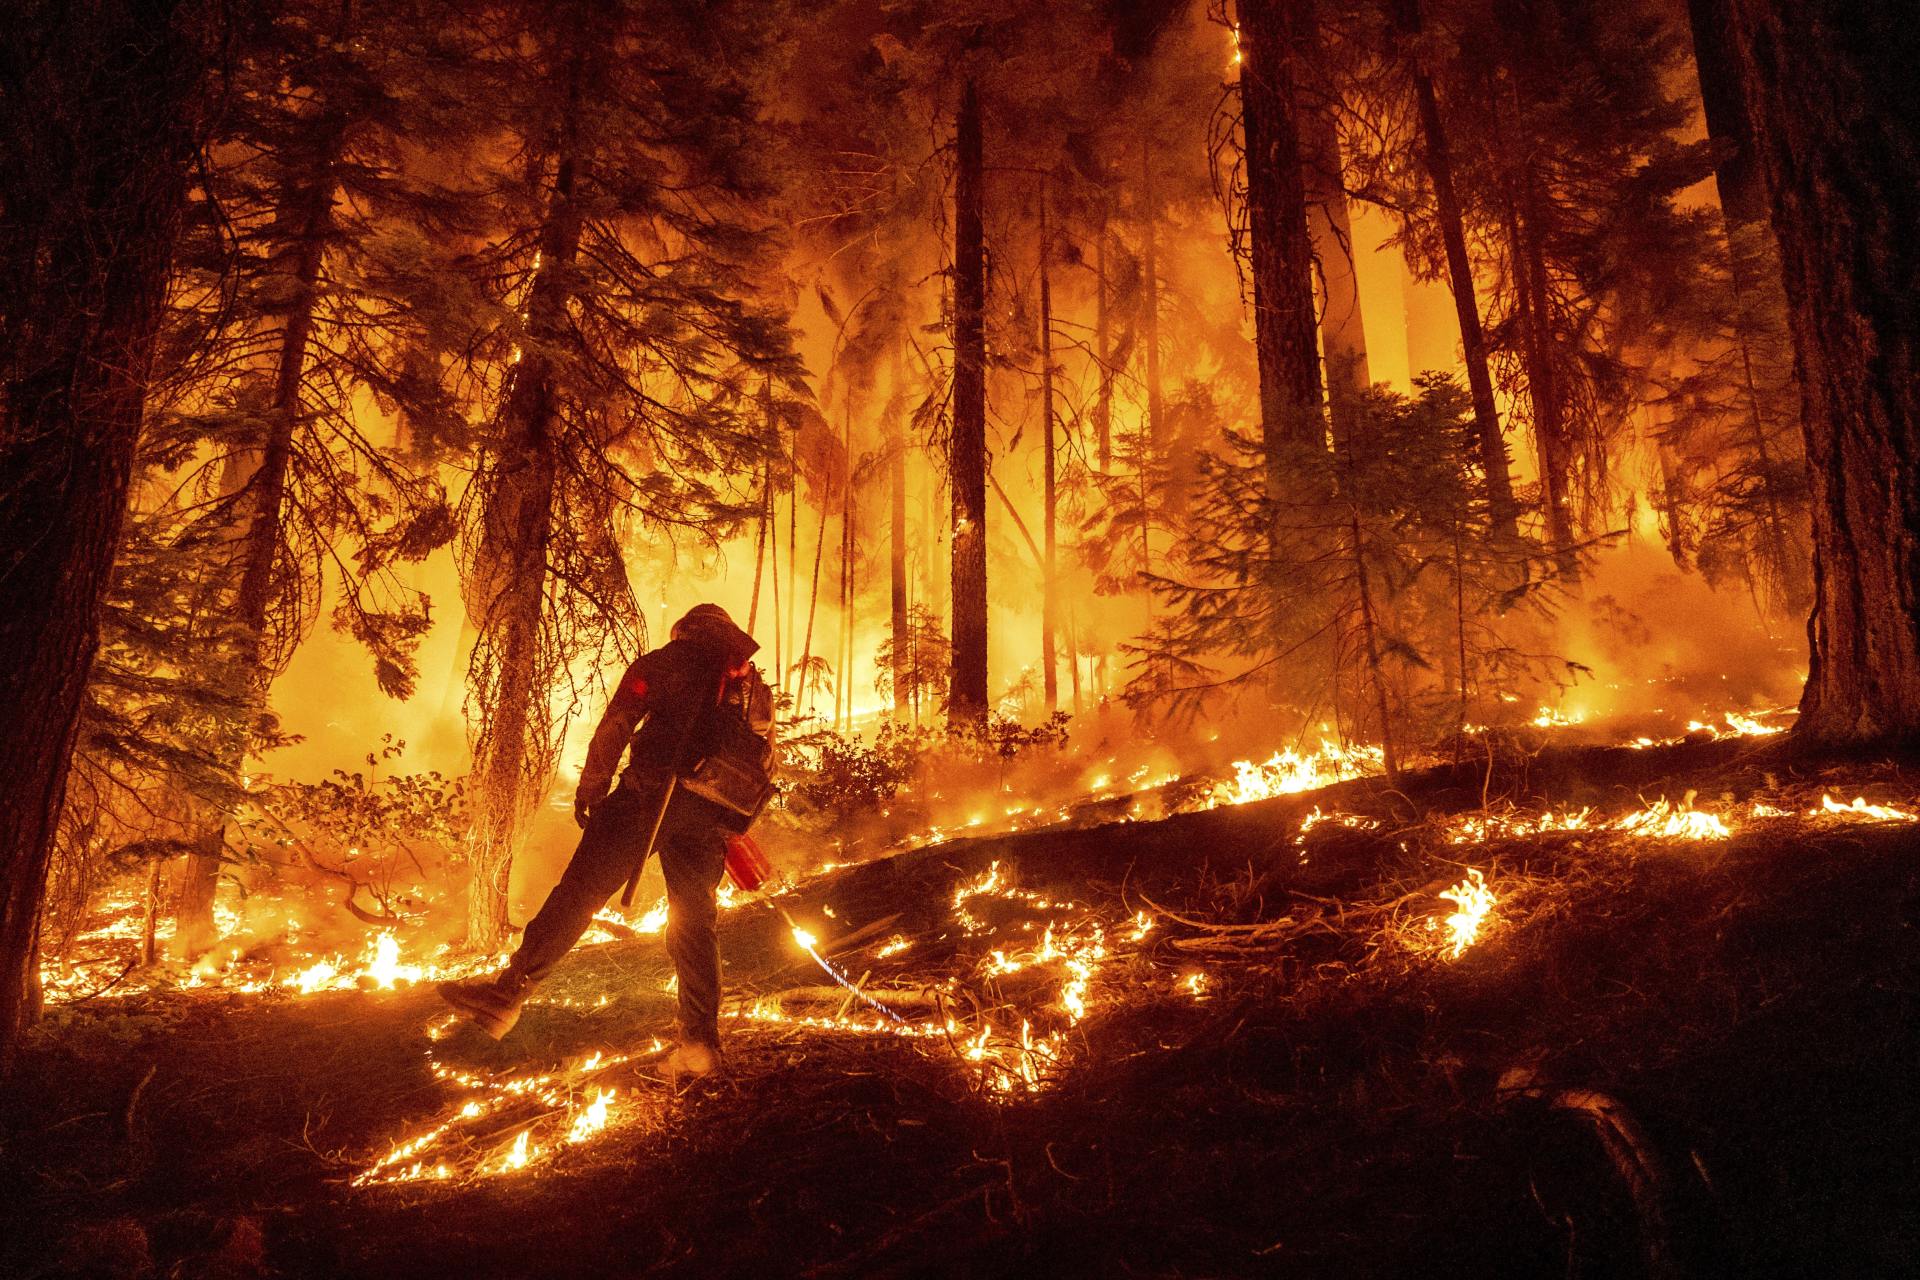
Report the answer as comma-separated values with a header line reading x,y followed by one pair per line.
x,y
1073,1035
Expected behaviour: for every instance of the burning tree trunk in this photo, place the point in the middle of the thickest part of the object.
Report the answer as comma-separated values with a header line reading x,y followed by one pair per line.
x,y
1049,603
967,463
1837,131
98,140
1282,254
517,525
1437,156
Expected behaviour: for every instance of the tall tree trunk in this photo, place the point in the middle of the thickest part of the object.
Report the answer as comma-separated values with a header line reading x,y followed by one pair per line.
x,y
1837,129
843,687
1156,444
967,466
813,608
793,577
1527,262
98,146
773,573
518,525
766,516
1754,261
1723,100
897,534
1049,590
1282,254
265,490
1437,156
1102,357
1343,335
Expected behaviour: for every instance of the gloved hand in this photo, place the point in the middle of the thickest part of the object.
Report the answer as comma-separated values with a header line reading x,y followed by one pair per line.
x,y
583,807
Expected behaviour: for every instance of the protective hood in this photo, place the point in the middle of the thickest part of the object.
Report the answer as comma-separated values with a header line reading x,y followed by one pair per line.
x,y
708,626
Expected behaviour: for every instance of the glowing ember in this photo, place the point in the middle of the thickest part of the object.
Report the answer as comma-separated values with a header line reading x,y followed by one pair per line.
x,y
562,1113
1479,828
1473,901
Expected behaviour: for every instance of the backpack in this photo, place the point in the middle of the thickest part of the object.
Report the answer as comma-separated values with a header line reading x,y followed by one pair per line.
x,y
732,767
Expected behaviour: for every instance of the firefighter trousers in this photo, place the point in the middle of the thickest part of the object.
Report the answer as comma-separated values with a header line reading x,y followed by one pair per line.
x,y
692,849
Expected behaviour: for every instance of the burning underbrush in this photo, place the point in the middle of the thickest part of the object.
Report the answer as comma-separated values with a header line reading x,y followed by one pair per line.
x,y
349,882
1336,1023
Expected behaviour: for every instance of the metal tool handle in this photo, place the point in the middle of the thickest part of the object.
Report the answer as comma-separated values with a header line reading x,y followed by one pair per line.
x,y
640,864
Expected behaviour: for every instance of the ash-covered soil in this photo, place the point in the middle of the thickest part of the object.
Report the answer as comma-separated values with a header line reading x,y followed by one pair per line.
x,y
1229,1043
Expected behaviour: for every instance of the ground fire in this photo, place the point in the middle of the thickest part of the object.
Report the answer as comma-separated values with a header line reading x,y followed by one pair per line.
x,y
1183,637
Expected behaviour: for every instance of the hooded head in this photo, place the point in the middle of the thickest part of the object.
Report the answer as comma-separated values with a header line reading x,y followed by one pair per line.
x,y
709,627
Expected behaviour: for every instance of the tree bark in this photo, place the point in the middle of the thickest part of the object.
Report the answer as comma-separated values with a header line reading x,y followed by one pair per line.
x,y
1282,254
967,466
1837,133
98,143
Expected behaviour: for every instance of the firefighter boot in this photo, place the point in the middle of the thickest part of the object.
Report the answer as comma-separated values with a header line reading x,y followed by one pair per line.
x,y
491,1004
689,1061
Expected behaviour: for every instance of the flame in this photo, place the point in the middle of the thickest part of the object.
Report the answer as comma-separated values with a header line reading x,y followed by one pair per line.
x,y
1286,772
1473,901
1861,809
592,1119
1664,820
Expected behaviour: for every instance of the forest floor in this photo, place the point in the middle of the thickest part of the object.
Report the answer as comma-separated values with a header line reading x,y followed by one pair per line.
x,y
1248,1049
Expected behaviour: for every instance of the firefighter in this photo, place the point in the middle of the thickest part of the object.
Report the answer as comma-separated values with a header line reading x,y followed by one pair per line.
x,y
653,712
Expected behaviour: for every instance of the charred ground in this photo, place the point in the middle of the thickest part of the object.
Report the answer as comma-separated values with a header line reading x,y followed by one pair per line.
x,y
1660,1057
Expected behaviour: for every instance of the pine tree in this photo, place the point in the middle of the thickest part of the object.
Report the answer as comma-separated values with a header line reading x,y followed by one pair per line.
x,y
626,358
310,286
102,115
